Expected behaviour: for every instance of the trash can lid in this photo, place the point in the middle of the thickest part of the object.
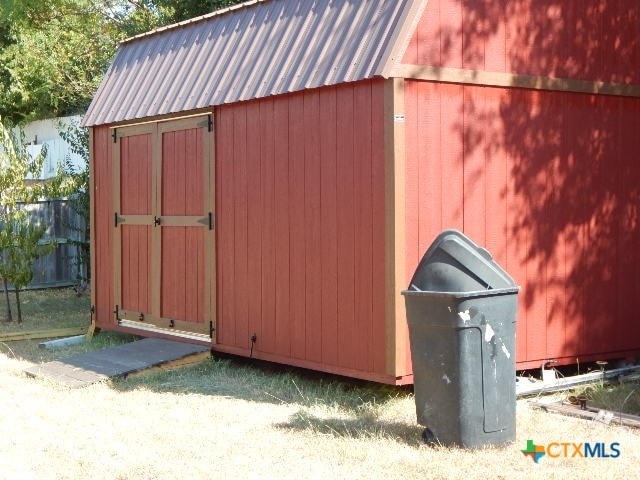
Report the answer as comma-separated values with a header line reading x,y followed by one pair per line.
x,y
454,263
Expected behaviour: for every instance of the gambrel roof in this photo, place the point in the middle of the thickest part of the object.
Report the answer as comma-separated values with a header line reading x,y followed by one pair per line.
x,y
253,50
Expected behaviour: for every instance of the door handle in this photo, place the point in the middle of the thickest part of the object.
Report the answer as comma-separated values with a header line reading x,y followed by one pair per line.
x,y
156,221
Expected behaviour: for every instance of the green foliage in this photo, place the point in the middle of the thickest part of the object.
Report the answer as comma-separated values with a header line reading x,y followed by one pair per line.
x,y
79,199
54,53
20,240
179,10
53,57
16,168
623,398
24,249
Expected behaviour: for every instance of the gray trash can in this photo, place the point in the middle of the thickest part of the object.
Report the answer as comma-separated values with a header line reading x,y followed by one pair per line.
x,y
461,309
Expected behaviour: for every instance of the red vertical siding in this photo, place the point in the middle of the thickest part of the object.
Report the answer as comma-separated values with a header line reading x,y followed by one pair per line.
x,y
225,236
281,223
628,180
549,184
102,278
240,228
435,188
329,226
585,39
136,268
182,282
135,199
297,193
362,190
312,177
312,229
267,228
182,278
533,190
254,232
135,175
347,332
182,171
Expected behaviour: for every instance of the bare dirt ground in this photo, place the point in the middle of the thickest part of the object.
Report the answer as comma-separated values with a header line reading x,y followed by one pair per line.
x,y
155,429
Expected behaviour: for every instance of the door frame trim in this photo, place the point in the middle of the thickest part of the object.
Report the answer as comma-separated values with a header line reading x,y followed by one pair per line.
x,y
156,129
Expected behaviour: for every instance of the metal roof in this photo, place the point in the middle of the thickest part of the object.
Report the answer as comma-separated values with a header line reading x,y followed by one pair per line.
x,y
253,50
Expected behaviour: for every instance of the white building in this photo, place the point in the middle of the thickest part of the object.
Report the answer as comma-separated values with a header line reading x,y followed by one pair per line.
x,y
47,132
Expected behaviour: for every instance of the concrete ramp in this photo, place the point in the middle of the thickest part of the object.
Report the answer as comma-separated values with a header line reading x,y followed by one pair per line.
x,y
87,368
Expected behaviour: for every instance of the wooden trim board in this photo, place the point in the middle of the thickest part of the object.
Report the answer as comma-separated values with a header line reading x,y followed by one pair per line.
x,y
38,334
209,179
394,141
156,131
398,44
501,79
92,231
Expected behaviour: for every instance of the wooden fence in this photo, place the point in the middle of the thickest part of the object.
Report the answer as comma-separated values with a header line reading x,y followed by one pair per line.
x,y
64,227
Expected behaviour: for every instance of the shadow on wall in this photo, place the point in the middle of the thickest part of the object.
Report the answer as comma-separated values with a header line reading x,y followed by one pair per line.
x,y
573,192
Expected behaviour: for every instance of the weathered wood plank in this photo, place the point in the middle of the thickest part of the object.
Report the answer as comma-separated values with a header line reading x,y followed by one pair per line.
x,y
37,334
173,365
119,361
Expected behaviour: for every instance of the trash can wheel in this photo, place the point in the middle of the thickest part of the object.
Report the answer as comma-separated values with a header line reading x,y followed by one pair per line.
x,y
428,437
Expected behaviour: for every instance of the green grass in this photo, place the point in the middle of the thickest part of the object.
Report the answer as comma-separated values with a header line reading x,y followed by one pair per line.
x,y
46,309
252,379
623,398
52,309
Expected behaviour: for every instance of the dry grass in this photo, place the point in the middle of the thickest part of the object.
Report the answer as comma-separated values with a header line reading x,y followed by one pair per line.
x,y
229,418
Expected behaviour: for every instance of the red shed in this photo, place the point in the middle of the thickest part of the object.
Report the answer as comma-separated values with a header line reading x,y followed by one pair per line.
x,y
265,178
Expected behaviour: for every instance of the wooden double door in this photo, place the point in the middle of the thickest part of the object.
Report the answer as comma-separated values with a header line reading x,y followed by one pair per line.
x,y
164,242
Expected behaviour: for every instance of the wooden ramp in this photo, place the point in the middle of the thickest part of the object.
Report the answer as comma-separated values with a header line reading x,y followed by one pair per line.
x,y
93,367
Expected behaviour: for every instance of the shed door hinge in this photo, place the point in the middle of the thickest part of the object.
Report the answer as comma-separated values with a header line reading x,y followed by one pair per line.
x,y
207,123
115,135
207,221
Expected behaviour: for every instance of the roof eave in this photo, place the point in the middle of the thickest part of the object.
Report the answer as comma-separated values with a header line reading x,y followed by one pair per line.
x,y
401,38
190,21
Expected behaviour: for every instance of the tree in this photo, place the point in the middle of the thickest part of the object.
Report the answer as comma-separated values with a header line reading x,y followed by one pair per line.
x,y
53,56
53,53
178,10
24,246
15,167
19,239
78,180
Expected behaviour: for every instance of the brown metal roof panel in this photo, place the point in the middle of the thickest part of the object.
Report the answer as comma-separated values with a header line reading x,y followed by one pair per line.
x,y
181,71
150,88
265,48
